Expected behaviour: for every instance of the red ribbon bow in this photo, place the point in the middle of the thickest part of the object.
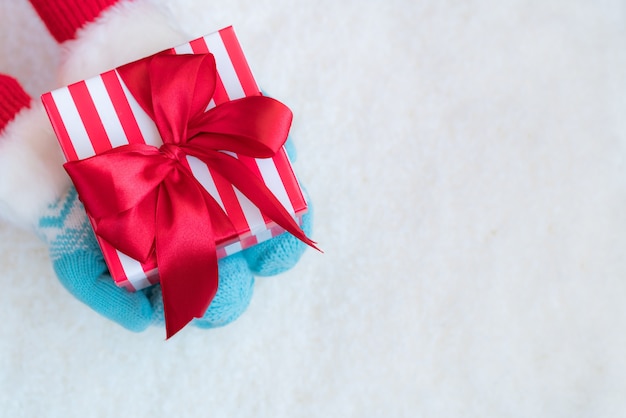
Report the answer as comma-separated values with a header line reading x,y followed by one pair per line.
x,y
144,200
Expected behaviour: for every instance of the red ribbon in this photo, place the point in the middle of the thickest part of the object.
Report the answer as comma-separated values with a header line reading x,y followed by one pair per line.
x,y
145,202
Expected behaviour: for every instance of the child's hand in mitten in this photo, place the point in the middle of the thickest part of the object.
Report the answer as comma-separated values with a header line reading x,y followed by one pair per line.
x,y
35,192
97,35
78,262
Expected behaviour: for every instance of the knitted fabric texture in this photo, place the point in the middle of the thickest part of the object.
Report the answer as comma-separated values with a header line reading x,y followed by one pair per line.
x,y
64,17
13,98
280,255
234,292
81,269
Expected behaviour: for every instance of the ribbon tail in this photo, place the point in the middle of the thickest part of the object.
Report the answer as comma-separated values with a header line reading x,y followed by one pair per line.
x,y
254,189
186,255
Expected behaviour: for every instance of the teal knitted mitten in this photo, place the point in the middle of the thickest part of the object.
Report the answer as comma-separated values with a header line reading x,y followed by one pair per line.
x,y
79,264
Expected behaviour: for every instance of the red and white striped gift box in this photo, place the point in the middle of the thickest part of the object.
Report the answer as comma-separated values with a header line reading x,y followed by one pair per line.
x,y
97,114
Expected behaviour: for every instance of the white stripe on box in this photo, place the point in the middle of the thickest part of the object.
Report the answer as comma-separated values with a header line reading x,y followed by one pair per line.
x,y
270,175
251,213
146,125
264,236
233,248
201,172
225,67
73,122
106,111
133,271
184,49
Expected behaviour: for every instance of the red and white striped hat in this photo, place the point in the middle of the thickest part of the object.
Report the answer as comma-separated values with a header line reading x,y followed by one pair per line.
x,y
13,98
64,17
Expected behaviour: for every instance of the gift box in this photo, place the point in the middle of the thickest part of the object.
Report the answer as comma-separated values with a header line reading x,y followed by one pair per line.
x,y
99,114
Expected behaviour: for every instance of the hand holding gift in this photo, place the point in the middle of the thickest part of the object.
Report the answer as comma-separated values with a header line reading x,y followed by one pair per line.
x,y
80,266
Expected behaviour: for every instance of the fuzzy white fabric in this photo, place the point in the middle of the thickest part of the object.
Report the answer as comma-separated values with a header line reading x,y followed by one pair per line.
x,y
466,162
31,167
125,32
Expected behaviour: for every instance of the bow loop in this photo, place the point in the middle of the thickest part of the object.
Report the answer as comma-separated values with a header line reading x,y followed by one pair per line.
x,y
109,174
267,123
